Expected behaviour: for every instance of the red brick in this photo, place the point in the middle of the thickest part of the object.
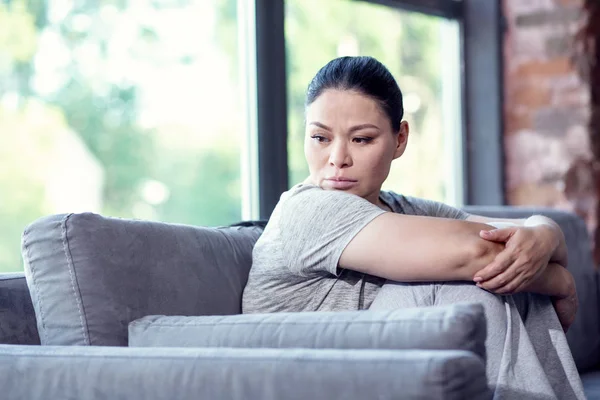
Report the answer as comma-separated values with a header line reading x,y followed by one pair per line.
x,y
575,97
535,194
531,94
546,109
515,120
570,3
543,68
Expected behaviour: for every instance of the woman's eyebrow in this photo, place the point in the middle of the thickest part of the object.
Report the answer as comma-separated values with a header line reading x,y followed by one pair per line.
x,y
353,129
320,125
363,126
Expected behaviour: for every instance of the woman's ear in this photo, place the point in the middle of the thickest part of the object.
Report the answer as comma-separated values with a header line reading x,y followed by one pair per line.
x,y
401,139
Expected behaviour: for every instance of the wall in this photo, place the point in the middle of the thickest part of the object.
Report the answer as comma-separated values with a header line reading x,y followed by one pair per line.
x,y
546,109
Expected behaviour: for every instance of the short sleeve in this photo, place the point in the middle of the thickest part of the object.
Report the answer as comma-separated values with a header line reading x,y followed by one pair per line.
x,y
431,208
316,225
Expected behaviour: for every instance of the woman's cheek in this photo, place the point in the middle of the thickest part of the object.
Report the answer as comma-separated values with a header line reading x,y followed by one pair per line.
x,y
383,165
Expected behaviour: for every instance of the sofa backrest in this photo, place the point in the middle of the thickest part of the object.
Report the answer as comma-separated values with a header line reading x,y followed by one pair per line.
x,y
89,276
17,318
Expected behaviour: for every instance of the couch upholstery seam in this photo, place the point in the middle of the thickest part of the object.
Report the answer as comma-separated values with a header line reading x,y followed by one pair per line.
x,y
327,323
14,278
71,267
239,358
38,297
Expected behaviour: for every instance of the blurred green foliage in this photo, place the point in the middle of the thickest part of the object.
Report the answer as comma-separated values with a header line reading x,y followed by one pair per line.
x,y
195,172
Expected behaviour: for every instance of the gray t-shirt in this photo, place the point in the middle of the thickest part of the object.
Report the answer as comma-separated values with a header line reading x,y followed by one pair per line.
x,y
295,261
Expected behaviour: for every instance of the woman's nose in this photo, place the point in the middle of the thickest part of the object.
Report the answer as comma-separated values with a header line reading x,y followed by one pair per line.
x,y
339,156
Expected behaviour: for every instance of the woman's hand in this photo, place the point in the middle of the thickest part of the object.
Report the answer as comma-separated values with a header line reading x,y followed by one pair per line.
x,y
526,255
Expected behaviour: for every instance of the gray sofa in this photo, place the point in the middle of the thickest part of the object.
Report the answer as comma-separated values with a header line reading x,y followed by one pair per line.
x,y
136,309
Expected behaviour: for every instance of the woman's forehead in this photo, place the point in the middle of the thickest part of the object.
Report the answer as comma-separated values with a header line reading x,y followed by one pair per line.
x,y
335,104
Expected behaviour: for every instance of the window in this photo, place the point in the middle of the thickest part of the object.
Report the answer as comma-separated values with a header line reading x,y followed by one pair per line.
x,y
423,54
175,110
129,109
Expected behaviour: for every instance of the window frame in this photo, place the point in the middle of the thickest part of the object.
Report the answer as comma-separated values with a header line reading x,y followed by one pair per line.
x,y
482,37
481,25
271,104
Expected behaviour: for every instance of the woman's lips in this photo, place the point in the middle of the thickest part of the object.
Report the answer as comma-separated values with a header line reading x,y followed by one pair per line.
x,y
341,183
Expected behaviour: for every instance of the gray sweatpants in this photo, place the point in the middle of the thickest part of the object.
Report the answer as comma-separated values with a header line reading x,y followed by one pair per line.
x,y
527,352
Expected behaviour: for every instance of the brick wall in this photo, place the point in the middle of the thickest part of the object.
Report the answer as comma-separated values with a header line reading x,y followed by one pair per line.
x,y
546,109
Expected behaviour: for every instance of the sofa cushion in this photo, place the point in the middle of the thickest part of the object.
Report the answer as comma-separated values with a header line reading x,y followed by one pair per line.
x,y
458,326
17,318
42,373
89,276
591,385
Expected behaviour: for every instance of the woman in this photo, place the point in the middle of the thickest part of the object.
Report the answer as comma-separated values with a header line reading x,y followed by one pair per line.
x,y
337,242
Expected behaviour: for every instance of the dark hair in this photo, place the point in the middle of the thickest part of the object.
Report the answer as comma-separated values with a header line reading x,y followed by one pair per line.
x,y
365,75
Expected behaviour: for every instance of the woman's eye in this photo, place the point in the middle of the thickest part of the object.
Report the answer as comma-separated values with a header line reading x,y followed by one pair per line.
x,y
362,140
319,138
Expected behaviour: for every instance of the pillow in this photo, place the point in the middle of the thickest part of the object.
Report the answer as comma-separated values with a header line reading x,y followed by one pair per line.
x,y
89,276
453,327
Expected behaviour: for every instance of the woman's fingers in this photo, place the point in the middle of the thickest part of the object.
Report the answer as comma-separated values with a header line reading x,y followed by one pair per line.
x,y
498,235
513,280
514,285
523,259
500,264
506,279
522,286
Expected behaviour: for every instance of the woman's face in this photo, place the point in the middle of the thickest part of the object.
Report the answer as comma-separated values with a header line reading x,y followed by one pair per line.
x,y
349,143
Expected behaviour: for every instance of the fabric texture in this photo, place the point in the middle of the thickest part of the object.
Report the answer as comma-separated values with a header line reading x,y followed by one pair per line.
x,y
453,327
238,374
591,385
17,317
584,334
89,276
295,261
416,206
528,354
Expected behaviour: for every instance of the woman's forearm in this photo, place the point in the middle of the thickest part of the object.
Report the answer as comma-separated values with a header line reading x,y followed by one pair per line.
x,y
556,281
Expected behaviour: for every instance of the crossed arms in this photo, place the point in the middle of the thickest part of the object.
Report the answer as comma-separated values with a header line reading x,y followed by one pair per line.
x,y
528,257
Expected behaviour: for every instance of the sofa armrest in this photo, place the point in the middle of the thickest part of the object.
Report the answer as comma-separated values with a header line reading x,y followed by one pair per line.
x,y
238,374
89,275
584,334
17,318
452,327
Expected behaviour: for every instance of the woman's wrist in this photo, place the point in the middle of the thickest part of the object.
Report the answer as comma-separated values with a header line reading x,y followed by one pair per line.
x,y
558,247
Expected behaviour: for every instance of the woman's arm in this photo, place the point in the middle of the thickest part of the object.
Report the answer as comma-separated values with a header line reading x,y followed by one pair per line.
x,y
530,245
555,281
559,255
541,223
558,283
415,248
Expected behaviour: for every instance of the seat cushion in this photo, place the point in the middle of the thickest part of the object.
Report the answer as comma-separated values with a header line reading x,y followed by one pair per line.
x,y
452,327
89,276
239,374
